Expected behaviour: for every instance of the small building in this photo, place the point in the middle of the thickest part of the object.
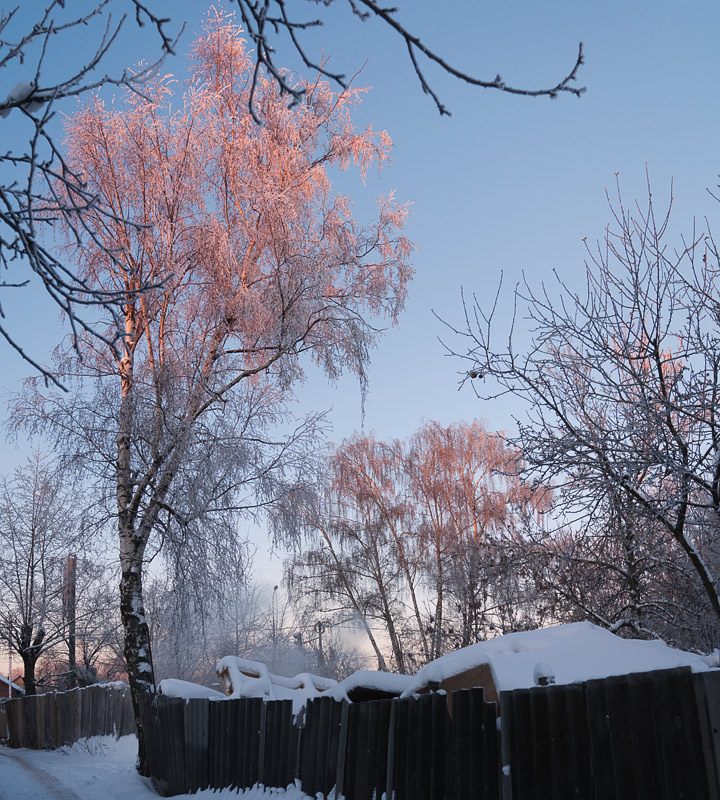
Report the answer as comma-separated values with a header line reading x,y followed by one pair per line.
x,y
5,688
577,651
17,691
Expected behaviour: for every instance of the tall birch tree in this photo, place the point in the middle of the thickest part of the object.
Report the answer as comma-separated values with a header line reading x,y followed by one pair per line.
x,y
259,263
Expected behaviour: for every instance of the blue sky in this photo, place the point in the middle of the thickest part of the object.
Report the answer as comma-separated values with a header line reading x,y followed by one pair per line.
x,y
507,184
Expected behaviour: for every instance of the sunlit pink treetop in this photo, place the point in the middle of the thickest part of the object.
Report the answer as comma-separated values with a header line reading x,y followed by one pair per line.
x,y
258,259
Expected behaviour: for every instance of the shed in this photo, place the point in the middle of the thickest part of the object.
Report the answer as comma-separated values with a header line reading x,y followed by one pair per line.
x,y
5,688
561,654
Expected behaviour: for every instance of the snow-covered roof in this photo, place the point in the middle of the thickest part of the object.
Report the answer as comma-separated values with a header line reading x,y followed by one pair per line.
x,y
575,652
15,687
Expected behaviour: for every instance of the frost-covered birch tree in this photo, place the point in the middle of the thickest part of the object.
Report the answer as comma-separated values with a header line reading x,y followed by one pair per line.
x,y
258,263
621,385
409,540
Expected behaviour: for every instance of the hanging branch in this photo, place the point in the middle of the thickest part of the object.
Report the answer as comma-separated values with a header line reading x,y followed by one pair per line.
x,y
30,197
264,19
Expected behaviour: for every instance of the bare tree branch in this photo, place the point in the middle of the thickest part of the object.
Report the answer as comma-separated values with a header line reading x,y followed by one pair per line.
x,y
30,202
265,19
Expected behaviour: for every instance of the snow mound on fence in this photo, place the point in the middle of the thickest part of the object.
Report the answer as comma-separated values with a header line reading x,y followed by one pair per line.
x,y
386,683
578,651
559,654
243,677
173,687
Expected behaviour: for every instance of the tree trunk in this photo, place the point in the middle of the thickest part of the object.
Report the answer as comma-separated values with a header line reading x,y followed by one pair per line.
x,y
132,544
29,683
137,651
30,652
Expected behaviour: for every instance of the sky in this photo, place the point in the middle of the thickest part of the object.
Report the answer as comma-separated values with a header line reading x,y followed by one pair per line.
x,y
507,185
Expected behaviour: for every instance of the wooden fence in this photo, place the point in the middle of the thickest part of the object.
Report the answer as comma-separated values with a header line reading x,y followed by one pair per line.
x,y
412,748
50,720
646,735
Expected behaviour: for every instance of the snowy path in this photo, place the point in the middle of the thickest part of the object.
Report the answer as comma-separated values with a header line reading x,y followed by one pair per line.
x,y
98,769
21,780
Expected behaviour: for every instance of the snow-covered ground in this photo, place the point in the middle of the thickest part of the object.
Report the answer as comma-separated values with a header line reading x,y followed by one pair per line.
x,y
100,768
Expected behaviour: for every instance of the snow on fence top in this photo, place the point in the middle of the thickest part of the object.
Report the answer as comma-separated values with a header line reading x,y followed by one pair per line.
x,y
174,687
571,653
243,677
560,654
367,684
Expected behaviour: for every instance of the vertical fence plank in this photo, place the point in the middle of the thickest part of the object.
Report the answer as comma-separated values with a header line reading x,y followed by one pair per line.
x,y
342,747
258,716
421,736
153,742
381,743
707,695
506,760
308,747
234,759
351,747
621,724
195,725
41,704
266,743
330,716
562,779
411,774
215,712
262,728
643,730
270,751
461,753
491,742
542,742
171,724
475,764
438,745
600,740
400,766
579,764
521,737
243,743
286,759
678,734
480,742
362,751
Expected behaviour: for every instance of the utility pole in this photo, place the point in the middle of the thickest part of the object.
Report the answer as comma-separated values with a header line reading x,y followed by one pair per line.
x,y
10,683
69,580
320,627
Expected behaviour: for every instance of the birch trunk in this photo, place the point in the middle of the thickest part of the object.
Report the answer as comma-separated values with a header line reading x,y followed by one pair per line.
x,y
132,542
